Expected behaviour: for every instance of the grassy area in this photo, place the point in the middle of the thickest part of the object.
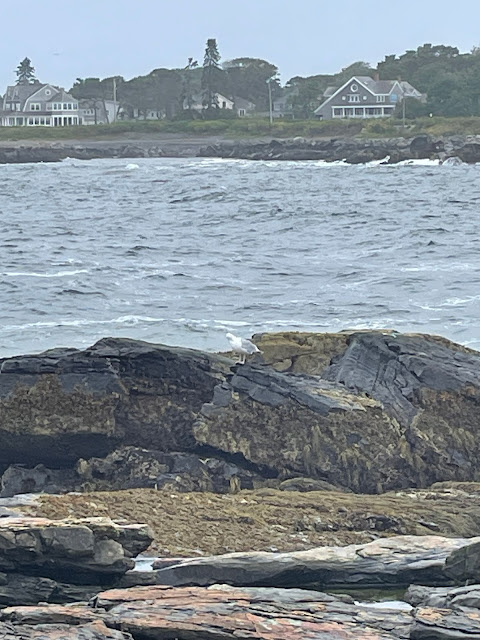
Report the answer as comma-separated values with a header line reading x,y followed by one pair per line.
x,y
241,128
249,128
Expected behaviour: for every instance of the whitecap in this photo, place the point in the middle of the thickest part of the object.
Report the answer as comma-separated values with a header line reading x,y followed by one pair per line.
x,y
35,274
132,166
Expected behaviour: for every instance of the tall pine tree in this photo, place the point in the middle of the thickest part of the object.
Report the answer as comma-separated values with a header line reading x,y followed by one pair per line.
x,y
210,75
25,72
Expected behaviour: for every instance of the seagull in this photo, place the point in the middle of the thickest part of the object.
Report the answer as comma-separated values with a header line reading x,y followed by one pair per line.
x,y
242,346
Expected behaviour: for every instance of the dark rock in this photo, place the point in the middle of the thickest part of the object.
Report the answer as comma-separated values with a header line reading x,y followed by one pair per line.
x,y
63,405
386,562
444,597
88,551
20,479
443,624
463,565
421,393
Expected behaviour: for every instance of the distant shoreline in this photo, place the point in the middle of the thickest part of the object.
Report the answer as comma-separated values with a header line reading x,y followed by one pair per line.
x,y
354,150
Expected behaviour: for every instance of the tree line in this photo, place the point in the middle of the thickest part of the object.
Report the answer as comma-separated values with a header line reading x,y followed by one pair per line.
x,y
450,79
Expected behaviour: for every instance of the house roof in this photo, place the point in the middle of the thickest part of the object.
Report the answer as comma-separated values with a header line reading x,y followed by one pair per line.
x,y
61,96
21,92
242,103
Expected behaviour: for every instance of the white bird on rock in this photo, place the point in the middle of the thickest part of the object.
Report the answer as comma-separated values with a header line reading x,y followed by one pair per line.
x,y
242,346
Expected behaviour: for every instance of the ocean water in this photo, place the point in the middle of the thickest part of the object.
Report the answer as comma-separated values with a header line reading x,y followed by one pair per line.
x,y
180,251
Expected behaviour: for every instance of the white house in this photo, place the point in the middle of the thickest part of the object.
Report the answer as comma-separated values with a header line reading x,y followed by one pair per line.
x,y
37,104
98,111
196,103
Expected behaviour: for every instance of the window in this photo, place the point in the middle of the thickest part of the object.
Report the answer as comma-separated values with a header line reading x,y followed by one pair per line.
x,y
42,121
354,98
19,122
65,106
224,105
241,113
30,121
11,121
48,92
47,121
380,98
75,120
37,121
337,112
75,105
34,106
354,87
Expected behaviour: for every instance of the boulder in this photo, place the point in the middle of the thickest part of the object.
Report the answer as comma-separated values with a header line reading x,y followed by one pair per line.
x,y
87,551
386,562
420,393
65,404
463,565
444,597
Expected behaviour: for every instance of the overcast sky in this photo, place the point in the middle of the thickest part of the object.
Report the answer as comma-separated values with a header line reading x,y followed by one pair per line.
x,y
302,37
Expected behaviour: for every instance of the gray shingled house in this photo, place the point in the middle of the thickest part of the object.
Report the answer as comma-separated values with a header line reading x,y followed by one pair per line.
x,y
37,104
365,97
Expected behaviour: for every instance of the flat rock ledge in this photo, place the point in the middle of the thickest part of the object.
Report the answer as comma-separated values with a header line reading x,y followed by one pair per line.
x,y
162,613
398,561
64,560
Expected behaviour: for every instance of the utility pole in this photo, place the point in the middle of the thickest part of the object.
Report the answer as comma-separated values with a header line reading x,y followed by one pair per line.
x,y
404,109
270,100
114,99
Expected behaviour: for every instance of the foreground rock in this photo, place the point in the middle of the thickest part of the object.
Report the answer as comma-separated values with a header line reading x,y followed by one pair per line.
x,y
269,614
388,562
63,561
57,151
156,613
316,408
64,404
420,393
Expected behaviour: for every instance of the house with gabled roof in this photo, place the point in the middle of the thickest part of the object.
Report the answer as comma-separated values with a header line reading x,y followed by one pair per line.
x,y
365,97
36,104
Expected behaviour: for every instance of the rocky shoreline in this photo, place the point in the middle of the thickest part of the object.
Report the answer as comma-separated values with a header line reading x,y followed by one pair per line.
x,y
309,467
450,149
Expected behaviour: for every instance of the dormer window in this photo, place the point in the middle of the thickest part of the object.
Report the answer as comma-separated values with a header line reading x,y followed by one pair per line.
x,y
34,106
354,87
381,98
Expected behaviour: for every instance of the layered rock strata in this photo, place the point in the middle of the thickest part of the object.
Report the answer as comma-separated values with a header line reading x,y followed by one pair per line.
x,y
398,561
365,411
45,560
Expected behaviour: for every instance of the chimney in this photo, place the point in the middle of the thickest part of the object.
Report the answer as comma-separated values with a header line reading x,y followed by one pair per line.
x,y
376,77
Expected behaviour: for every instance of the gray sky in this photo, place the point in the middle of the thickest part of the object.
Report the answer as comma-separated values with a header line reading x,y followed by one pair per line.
x,y
304,37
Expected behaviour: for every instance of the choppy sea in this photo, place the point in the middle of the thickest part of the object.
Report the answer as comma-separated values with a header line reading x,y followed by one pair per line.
x,y
180,251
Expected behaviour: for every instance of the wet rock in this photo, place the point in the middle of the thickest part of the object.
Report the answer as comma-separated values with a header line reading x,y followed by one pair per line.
x,y
398,561
78,552
420,392
443,624
65,404
463,565
131,468
444,597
